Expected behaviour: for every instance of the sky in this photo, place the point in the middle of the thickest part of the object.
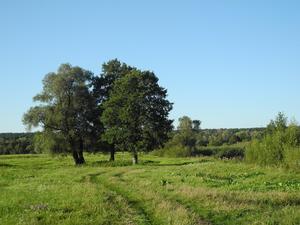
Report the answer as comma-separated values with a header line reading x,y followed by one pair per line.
x,y
228,63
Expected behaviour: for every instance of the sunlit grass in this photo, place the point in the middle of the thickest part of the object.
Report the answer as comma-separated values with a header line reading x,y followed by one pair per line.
x,y
38,189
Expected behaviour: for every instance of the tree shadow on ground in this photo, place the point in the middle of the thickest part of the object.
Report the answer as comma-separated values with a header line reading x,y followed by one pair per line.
x,y
126,163
122,163
184,163
7,165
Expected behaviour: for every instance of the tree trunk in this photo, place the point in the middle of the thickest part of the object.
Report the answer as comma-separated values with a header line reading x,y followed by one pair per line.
x,y
112,155
135,158
78,153
75,156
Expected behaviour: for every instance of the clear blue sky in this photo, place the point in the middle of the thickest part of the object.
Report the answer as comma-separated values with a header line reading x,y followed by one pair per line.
x,y
227,63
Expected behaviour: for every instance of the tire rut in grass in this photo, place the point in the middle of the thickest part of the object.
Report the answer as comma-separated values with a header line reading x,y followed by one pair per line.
x,y
208,215
188,207
136,206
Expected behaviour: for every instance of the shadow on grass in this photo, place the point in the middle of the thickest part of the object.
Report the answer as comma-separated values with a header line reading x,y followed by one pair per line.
x,y
7,165
125,163
20,156
90,177
104,163
185,163
122,163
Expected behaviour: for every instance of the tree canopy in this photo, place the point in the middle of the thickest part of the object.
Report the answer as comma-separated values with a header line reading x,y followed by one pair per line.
x,y
66,110
123,108
102,87
136,114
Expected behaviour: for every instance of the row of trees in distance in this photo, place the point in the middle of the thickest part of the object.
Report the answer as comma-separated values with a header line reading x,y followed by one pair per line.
x,y
203,139
190,140
16,143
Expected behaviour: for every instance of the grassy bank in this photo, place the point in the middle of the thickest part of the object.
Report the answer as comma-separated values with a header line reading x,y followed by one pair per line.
x,y
38,189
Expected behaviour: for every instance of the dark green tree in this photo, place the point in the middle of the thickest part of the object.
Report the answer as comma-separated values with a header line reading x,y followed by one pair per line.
x,y
196,125
102,86
135,116
67,109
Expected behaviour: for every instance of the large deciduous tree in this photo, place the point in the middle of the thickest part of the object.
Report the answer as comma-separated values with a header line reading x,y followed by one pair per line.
x,y
135,116
67,110
102,86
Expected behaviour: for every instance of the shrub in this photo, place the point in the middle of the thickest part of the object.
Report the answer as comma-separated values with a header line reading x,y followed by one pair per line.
x,y
280,146
231,152
221,152
267,152
206,151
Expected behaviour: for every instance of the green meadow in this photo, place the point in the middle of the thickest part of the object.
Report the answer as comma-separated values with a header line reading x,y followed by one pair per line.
x,y
40,189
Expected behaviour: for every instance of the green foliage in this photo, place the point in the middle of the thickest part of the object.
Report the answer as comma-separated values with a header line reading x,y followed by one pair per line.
x,y
196,125
48,142
185,138
215,140
280,146
184,141
67,110
40,143
135,116
292,158
221,152
16,143
219,137
189,140
277,125
185,124
174,151
112,71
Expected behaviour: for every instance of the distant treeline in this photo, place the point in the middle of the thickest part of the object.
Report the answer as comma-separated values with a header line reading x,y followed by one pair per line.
x,y
190,140
23,143
276,145
16,143
219,137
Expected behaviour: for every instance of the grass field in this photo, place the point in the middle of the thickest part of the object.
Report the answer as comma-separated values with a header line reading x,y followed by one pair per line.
x,y
38,189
